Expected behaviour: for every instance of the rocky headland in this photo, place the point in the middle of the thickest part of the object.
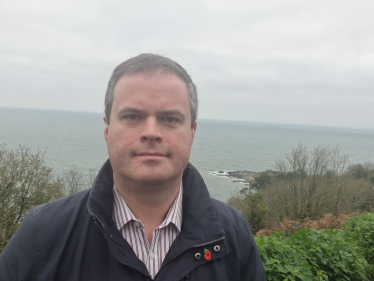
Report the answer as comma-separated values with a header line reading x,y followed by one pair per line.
x,y
246,177
252,180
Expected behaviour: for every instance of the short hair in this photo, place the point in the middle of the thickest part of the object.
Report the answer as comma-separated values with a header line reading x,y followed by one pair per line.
x,y
150,64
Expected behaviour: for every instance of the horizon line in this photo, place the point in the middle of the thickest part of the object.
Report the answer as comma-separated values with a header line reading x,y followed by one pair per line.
x,y
212,119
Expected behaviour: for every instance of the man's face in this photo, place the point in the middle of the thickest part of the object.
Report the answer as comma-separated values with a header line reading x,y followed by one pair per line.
x,y
149,137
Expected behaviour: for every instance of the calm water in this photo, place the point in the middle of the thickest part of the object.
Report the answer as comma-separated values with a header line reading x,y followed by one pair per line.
x,y
74,138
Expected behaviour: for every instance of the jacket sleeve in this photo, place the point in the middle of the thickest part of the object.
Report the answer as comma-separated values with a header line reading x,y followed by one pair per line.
x,y
251,267
17,260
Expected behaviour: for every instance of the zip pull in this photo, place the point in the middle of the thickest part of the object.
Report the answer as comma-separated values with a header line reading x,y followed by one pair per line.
x,y
187,277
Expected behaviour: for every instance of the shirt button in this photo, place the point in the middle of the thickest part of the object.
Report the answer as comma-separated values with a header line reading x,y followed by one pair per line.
x,y
151,255
136,223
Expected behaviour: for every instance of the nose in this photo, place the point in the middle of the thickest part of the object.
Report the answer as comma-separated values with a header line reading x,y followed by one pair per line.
x,y
151,130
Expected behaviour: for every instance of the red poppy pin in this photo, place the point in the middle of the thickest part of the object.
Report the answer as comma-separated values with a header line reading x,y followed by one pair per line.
x,y
207,255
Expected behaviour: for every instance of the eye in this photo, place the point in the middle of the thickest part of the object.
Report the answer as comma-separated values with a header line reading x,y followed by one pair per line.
x,y
132,117
170,120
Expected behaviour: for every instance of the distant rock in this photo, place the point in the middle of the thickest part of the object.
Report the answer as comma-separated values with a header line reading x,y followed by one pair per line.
x,y
245,176
248,177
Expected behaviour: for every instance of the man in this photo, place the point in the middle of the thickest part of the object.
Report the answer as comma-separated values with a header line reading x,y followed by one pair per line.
x,y
148,215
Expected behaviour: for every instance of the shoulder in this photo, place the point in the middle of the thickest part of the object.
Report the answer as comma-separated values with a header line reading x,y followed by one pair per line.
x,y
229,216
37,235
57,218
59,215
241,241
237,230
65,206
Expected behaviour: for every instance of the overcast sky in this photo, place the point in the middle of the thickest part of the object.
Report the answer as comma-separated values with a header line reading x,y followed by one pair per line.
x,y
279,61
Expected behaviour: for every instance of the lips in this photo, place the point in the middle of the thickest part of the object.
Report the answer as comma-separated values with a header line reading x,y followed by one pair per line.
x,y
150,154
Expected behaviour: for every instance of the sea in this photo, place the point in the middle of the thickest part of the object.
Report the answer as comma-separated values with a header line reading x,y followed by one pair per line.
x,y
76,139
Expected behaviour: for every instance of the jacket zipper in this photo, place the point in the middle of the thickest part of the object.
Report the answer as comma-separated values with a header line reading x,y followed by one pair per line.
x,y
106,238
194,246
99,225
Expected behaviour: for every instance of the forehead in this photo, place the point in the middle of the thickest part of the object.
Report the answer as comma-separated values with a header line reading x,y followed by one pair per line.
x,y
156,83
155,90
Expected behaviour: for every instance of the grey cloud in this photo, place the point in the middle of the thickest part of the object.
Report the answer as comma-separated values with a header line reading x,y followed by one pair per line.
x,y
272,61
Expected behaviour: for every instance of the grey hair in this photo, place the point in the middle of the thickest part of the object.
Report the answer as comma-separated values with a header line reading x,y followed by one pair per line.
x,y
150,64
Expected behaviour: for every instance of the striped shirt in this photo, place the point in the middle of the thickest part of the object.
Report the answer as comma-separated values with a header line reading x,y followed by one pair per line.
x,y
163,236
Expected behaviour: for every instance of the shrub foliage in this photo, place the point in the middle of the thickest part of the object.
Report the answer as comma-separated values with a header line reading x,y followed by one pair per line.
x,y
25,182
281,260
308,199
329,254
360,230
307,183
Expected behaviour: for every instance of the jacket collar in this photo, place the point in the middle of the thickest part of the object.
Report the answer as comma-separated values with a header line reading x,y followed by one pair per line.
x,y
200,222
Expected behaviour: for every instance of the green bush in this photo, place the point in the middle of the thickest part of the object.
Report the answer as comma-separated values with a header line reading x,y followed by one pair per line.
x,y
282,261
360,230
330,254
25,182
311,254
262,180
253,207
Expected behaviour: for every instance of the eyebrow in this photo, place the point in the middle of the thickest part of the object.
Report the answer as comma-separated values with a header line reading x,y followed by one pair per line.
x,y
129,110
173,112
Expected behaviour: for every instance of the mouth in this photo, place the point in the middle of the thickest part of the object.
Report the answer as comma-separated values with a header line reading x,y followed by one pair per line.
x,y
151,154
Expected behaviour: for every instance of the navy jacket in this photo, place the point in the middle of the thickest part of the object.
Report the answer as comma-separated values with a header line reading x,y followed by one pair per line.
x,y
75,238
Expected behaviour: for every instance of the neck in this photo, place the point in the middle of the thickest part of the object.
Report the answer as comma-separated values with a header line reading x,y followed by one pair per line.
x,y
149,203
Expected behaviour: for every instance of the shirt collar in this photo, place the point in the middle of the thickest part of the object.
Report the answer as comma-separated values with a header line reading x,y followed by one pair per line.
x,y
122,213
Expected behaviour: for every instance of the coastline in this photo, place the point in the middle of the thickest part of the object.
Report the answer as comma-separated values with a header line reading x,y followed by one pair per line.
x,y
245,177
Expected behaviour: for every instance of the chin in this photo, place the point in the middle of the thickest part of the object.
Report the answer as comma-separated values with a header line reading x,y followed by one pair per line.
x,y
153,176
151,172
154,180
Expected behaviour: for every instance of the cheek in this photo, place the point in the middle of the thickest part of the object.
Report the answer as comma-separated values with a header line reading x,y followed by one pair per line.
x,y
117,140
120,136
181,142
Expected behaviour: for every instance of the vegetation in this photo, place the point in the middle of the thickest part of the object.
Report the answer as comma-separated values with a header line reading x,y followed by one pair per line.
x,y
288,226
311,254
25,182
301,215
360,229
307,184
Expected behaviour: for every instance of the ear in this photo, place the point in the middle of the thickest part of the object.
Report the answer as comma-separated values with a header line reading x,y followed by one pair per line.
x,y
193,131
106,129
